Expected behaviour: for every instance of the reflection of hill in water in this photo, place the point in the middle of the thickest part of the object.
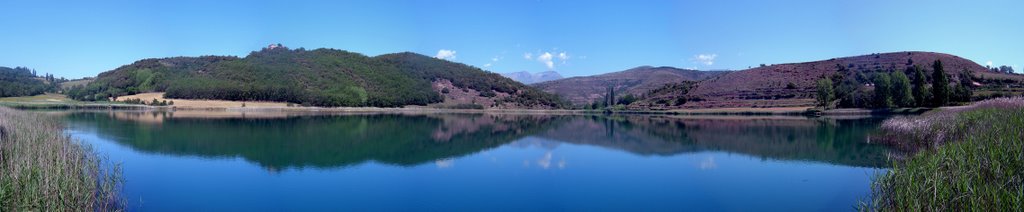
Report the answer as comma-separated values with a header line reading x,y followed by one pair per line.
x,y
826,140
317,141
287,141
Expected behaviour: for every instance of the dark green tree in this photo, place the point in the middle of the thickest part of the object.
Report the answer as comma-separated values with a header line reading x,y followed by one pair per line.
x,y
610,97
825,93
963,92
626,99
902,95
940,85
920,90
848,89
883,89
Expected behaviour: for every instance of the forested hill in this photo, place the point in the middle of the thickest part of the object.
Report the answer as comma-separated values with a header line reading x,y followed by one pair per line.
x,y
21,81
321,77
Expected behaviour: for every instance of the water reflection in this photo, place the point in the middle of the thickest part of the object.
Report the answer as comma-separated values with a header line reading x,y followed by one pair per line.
x,y
832,140
282,141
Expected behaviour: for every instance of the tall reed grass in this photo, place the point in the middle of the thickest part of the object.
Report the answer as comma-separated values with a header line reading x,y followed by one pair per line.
x,y
44,169
964,159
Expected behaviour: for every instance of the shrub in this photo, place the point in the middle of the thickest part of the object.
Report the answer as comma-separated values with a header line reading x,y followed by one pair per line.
x,y
488,93
825,95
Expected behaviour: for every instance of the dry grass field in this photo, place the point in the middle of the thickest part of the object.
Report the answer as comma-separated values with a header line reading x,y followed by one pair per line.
x,y
192,103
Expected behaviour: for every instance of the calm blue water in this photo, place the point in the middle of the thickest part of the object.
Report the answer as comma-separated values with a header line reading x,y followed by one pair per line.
x,y
187,162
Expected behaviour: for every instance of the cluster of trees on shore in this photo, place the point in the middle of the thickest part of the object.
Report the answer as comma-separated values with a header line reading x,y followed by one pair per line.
x,y
671,94
887,89
22,81
321,77
610,100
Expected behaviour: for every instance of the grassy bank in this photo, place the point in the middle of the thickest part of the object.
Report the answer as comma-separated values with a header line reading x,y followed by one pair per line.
x,y
964,159
73,106
61,102
43,169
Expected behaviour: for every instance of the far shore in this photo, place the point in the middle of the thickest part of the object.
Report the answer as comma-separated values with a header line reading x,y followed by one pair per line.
x,y
55,101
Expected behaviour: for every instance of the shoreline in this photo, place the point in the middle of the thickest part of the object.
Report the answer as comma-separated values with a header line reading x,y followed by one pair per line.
x,y
59,102
787,111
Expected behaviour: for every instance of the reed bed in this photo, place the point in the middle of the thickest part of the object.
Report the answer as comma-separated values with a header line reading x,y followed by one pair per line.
x,y
963,159
44,169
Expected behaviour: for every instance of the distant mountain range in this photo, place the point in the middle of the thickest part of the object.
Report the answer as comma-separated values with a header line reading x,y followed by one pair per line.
x,y
529,78
636,81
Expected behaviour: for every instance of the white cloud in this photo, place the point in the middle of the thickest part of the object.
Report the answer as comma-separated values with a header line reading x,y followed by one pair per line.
x,y
547,58
989,63
708,163
445,54
706,59
494,60
545,162
445,163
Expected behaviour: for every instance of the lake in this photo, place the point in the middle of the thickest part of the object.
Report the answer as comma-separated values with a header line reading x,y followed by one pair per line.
x,y
187,161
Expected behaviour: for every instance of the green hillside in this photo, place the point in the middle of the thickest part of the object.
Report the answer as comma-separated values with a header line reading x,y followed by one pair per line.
x,y
21,81
321,77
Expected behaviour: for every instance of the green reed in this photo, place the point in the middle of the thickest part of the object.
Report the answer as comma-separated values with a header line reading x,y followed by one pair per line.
x,y
971,160
44,169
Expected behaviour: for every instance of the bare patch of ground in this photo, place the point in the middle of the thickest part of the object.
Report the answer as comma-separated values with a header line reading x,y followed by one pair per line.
x,y
44,98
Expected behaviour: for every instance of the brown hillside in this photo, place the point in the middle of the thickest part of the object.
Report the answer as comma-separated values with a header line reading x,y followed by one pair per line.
x,y
767,86
584,90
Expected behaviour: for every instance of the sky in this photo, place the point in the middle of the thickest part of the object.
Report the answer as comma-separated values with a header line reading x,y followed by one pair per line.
x,y
76,39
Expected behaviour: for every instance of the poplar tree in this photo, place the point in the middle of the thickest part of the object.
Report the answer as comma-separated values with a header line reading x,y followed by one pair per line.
x,y
940,85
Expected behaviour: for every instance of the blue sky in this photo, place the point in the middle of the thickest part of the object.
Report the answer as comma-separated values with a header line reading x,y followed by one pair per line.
x,y
83,38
